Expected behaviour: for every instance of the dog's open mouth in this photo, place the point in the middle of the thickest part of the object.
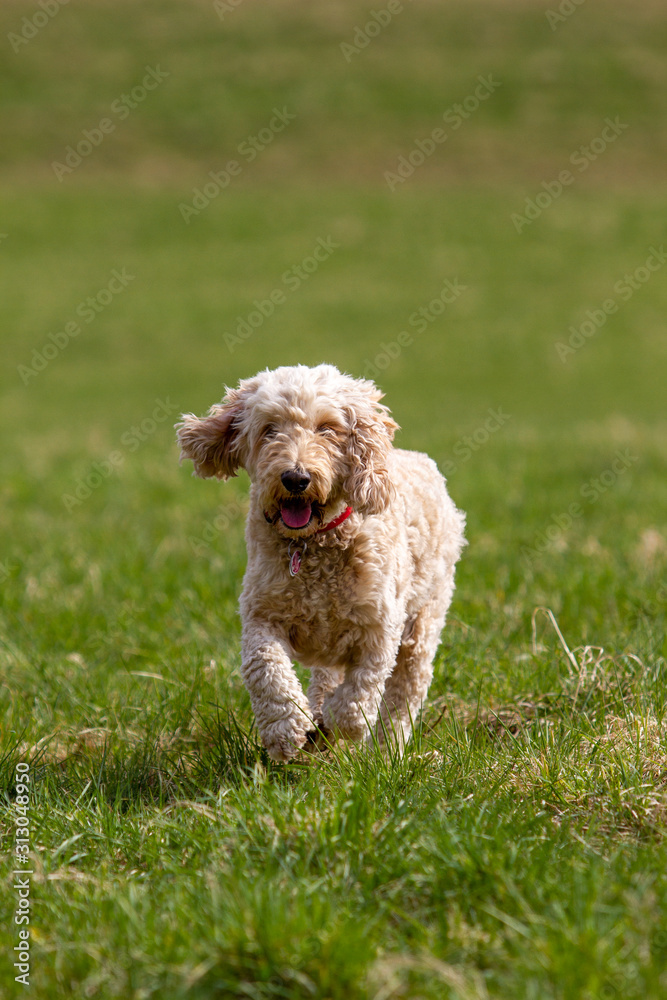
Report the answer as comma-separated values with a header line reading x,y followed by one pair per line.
x,y
296,513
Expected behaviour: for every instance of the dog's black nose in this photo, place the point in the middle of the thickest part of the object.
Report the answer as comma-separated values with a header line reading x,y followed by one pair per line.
x,y
295,481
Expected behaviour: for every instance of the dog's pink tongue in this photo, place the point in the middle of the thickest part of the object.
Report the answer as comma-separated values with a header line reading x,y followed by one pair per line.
x,y
296,517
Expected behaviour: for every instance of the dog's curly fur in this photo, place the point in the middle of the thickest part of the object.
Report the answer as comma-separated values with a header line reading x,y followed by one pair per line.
x,y
366,608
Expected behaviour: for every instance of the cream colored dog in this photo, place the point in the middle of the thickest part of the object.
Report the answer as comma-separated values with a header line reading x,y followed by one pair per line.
x,y
352,546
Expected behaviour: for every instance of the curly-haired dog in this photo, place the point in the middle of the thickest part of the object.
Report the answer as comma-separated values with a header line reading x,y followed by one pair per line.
x,y
352,546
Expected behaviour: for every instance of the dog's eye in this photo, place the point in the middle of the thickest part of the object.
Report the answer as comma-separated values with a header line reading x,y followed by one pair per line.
x,y
326,429
269,431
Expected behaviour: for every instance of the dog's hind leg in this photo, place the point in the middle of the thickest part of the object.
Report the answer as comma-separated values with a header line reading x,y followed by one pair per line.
x,y
406,688
323,680
352,709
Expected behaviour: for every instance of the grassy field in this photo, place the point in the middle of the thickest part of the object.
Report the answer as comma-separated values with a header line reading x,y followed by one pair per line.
x,y
526,857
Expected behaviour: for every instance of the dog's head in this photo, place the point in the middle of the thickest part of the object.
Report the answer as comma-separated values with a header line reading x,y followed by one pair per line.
x,y
311,439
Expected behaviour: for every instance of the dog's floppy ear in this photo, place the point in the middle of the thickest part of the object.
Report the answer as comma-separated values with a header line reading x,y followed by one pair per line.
x,y
368,486
212,442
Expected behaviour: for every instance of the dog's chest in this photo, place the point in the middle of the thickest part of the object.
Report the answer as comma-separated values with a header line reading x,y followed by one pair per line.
x,y
322,610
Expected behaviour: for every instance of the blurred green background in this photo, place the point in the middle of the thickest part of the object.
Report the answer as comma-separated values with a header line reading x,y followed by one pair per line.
x,y
323,175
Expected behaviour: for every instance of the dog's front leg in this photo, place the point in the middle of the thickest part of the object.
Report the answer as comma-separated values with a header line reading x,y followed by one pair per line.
x,y
278,701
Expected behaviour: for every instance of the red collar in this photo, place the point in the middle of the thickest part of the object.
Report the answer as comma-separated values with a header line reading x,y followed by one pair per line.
x,y
336,521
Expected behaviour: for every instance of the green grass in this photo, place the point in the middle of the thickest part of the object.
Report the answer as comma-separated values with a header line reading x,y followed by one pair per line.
x,y
518,849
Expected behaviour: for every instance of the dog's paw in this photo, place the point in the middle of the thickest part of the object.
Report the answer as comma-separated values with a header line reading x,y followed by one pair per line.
x,y
318,740
283,744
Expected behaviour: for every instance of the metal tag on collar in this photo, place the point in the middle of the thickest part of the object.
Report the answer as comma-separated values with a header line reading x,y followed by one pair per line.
x,y
295,558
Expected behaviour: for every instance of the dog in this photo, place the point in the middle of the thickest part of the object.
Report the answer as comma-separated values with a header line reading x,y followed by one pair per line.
x,y
352,547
